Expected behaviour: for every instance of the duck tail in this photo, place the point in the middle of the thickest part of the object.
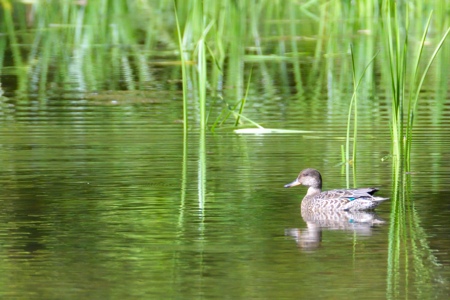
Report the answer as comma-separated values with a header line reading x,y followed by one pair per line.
x,y
379,199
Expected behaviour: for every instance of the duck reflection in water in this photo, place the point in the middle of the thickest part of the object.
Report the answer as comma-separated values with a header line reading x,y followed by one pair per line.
x,y
343,209
358,222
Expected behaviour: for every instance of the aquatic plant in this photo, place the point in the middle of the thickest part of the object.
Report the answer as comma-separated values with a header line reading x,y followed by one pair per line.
x,y
290,48
404,97
406,79
353,112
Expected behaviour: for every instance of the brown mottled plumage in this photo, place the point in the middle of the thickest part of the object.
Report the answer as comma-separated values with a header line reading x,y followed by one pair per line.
x,y
349,200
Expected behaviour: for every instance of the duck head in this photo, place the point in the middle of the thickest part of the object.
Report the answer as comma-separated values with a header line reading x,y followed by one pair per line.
x,y
308,177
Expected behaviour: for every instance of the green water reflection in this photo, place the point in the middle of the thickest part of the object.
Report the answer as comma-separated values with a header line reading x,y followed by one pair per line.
x,y
94,210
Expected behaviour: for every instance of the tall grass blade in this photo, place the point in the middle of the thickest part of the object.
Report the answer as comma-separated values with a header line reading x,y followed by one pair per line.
x,y
415,92
241,107
353,107
183,70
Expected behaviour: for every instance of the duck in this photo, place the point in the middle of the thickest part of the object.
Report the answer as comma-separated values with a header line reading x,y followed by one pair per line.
x,y
361,199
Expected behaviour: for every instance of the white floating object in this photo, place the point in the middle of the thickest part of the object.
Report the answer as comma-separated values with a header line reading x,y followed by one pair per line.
x,y
267,131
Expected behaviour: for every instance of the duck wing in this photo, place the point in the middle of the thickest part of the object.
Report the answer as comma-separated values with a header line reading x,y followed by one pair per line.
x,y
349,194
351,199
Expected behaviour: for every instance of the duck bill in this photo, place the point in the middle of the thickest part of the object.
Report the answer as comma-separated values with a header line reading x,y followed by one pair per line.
x,y
293,183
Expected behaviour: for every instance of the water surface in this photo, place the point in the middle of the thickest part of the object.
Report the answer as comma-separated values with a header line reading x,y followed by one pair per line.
x,y
99,201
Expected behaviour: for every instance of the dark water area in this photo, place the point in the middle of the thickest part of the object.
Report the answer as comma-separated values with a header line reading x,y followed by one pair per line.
x,y
101,200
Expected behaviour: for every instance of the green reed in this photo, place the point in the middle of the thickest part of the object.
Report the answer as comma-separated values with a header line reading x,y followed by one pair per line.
x,y
183,73
291,45
406,78
353,112
416,85
404,96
